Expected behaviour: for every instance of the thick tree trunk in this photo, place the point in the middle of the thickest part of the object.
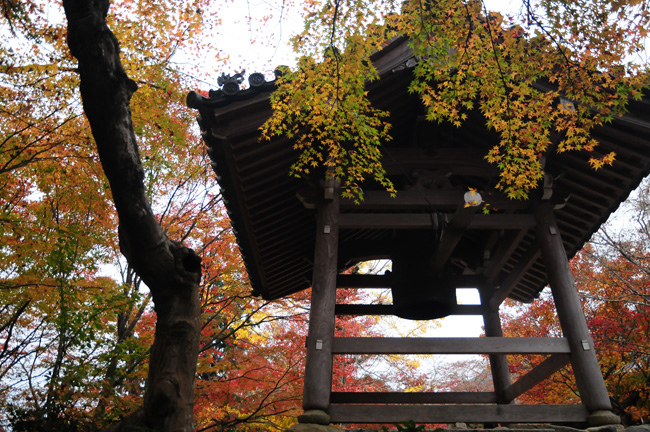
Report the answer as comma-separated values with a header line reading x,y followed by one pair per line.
x,y
171,272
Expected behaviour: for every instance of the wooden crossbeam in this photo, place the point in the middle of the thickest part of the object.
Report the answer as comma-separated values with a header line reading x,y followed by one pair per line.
x,y
351,413
406,200
424,221
368,281
423,199
485,345
538,374
386,309
364,309
413,398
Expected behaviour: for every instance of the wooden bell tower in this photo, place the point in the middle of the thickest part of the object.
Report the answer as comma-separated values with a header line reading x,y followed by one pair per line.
x,y
295,234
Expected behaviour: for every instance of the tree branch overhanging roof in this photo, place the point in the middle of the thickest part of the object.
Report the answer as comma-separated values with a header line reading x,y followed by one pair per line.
x,y
432,165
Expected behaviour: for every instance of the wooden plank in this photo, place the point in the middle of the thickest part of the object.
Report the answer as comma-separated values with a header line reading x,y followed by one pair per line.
x,y
485,345
413,398
424,221
538,374
386,309
340,413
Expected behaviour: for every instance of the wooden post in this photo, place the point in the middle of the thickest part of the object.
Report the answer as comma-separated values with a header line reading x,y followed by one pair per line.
x,y
318,369
498,362
569,310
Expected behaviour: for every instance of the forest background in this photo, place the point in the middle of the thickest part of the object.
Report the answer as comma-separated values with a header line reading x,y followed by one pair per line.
x,y
76,319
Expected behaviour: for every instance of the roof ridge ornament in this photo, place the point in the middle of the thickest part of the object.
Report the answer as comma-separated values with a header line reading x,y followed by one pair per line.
x,y
230,85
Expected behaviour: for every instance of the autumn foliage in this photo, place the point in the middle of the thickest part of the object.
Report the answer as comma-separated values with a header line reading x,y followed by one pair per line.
x,y
542,82
77,322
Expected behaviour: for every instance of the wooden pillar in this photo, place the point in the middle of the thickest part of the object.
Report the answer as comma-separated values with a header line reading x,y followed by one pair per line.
x,y
318,369
569,310
498,362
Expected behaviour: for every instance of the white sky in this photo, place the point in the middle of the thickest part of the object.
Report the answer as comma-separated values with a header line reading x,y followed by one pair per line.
x,y
260,46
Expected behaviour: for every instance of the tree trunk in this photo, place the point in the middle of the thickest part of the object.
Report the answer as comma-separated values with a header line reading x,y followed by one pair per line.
x,y
172,272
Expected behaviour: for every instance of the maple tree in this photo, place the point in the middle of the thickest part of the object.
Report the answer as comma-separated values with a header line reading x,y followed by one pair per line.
x,y
613,278
542,81
59,227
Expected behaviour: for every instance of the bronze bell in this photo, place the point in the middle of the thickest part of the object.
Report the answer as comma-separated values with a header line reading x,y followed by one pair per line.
x,y
418,293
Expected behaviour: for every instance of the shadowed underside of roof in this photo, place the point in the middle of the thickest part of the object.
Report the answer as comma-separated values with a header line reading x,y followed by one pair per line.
x,y
432,166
